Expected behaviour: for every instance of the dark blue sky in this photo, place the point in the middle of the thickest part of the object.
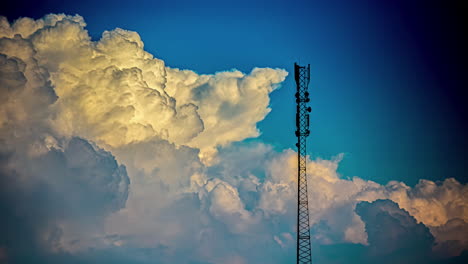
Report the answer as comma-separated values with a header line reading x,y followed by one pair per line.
x,y
387,76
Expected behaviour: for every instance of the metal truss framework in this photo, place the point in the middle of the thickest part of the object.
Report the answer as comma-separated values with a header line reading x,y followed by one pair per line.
x,y
302,76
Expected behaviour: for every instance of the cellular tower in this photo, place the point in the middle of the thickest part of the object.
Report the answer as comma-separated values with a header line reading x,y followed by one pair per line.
x,y
302,76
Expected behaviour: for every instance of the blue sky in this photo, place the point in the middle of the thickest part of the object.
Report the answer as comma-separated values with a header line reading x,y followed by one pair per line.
x,y
387,81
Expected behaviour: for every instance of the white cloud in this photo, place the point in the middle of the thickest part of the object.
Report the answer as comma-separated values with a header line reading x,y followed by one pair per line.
x,y
230,103
114,92
332,197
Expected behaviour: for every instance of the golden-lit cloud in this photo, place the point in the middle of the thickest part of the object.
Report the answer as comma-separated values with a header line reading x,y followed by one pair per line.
x,y
115,93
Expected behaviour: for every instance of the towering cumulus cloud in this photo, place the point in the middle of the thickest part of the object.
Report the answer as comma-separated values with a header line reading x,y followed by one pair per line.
x,y
115,93
107,155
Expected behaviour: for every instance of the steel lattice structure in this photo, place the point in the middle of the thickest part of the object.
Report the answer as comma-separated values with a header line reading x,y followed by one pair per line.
x,y
302,76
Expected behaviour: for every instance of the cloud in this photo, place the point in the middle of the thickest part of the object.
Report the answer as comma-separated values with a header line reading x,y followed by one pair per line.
x,y
394,236
451,237
402,232
26,90
230,103
111,155
53,187
115,93
432,204
64,191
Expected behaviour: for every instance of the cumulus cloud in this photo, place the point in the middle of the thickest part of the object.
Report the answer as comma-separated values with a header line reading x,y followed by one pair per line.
x,y
120,157
430,203
114,92
393,234
60,85
230,103
402,232
451,237
394,237
53,187
59,195
26,90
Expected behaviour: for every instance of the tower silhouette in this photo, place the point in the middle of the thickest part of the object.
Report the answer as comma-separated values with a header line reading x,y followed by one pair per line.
x,y
302,76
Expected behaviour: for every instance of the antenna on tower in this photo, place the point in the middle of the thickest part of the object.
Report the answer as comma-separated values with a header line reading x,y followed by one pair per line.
x,y
302,76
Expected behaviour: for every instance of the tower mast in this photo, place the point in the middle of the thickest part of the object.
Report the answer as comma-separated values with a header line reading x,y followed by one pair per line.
x,y
302,76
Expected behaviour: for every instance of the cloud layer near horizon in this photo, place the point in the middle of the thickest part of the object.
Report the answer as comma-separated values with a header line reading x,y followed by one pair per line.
x,y
115,155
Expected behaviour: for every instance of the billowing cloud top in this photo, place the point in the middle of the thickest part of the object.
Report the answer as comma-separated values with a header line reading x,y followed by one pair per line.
x,y
115,93
108,155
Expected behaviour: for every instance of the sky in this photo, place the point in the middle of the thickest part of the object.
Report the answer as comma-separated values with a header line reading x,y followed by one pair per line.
x,y
135,114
